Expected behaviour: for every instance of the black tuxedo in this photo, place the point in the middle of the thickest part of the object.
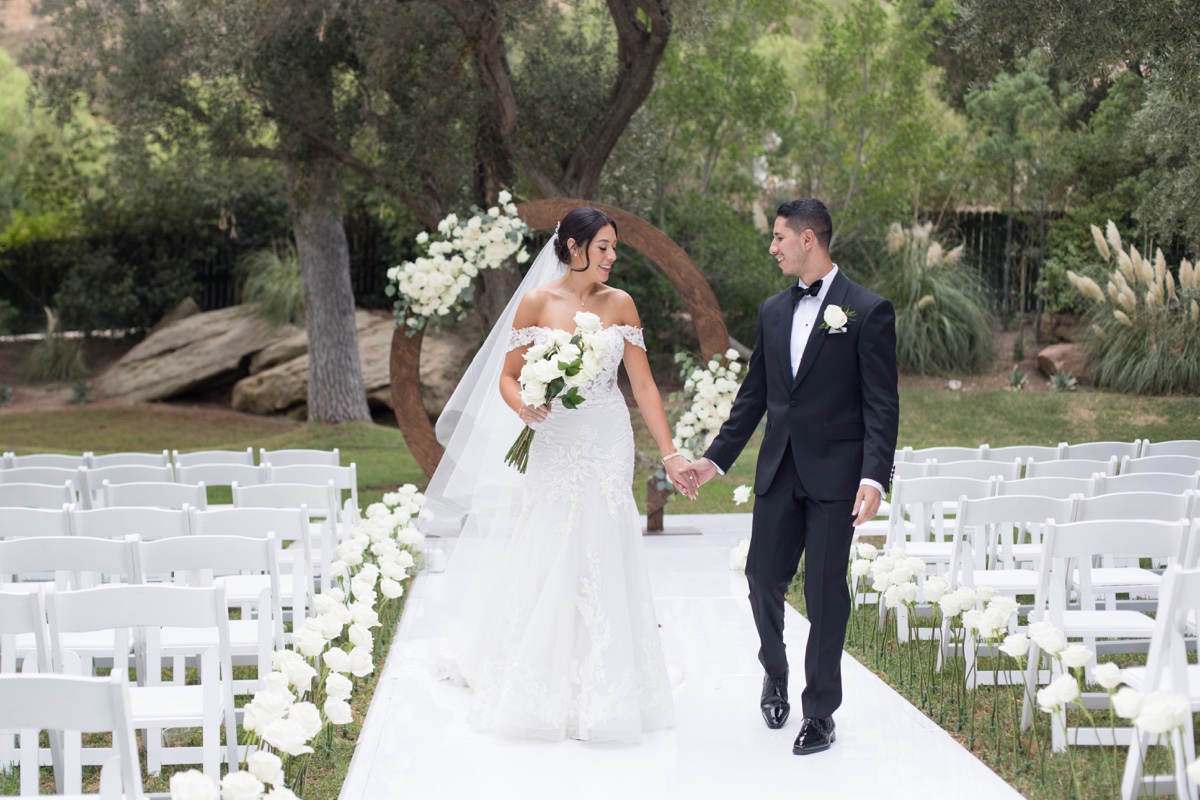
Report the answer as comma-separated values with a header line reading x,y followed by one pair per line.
x,y
829,427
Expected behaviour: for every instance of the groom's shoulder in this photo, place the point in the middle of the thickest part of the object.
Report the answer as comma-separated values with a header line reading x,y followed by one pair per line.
x,y
864,296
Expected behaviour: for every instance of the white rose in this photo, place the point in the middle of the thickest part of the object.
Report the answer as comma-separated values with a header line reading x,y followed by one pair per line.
x,y
834,317
995,620
587,322
910,592
338,711
329,626
986,593
192,785
1015,645
299,672
741,495
1048,637
544,371
901,574
390,588
288,736
337,660
935,588
731,354
892,596
1108,675
266,707
308,642
880,582
307,717
533,393
536,352
361,663
859,568
1163,712
867,551
364,615
1127,703
324,603
972,618
265,766
360,636
917,565
1004,606
1075,656
338,686
948,603
1062,690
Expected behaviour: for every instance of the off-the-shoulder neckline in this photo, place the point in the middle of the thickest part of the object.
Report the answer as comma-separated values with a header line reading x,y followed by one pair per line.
x,y
548,328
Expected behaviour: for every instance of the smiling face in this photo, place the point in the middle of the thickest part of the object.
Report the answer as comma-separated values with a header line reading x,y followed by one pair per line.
x,y
601,253
789,247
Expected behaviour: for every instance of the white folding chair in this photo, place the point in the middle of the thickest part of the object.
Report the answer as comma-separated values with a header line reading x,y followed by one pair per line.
x,y
344,478
321,503
1100,451
1070,468
208,457
22,523
1167,668
162,459
20,615
36,495
154,495
1179,465
944,454
907,470
1166,482
55,703
1079,543
290,526
920,507
192,561
121,521
980,470
53,476
1022,452
91,481
1048,486
1176,447
59,460
287,458
221,474
146,610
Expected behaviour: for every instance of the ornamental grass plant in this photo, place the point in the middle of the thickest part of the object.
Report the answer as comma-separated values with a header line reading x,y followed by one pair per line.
x,y
943,325
1145,331
271,281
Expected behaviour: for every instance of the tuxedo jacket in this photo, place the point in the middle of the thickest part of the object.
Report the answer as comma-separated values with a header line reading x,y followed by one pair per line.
x,y
841,410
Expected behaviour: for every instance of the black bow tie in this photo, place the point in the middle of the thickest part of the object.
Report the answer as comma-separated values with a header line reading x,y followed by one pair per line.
x,y
799,292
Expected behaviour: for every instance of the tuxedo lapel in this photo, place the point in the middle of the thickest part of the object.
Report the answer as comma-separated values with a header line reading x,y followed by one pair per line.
x,y
783,328
816,337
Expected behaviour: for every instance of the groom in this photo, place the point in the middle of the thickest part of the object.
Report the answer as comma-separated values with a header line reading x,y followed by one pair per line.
x,y
824,372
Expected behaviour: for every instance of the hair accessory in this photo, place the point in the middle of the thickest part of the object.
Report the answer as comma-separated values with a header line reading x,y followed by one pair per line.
x,y
556,227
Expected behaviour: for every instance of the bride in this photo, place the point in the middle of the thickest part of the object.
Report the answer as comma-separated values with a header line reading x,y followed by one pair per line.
x,y
557,634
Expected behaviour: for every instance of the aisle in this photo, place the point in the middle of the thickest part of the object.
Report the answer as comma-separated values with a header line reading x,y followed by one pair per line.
x,y
416,744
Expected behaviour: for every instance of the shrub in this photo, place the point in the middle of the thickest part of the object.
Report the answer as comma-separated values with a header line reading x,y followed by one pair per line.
x,y
943,325
272,282
1063,382
1145,331
55,358
1017,379
6,395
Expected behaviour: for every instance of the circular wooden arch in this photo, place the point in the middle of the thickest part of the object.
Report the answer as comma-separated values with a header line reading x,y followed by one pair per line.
x,y
636,232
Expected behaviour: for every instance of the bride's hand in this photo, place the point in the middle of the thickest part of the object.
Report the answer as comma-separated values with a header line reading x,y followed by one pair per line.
x,y
533,416
682,479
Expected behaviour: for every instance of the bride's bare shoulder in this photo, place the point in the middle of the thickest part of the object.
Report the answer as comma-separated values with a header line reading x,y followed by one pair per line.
x,y
621,306
529,310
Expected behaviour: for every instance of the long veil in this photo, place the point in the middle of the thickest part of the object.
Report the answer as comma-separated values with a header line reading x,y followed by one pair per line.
x,y
473,490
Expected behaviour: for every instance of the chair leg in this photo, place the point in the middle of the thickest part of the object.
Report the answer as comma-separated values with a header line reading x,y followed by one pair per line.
x,y
1031,676
1131,780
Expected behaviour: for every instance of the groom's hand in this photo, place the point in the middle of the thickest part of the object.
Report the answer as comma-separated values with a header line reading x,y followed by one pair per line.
x,y
701,471
866,504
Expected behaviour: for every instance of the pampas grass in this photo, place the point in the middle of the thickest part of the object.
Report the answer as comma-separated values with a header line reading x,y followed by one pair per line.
x,y
272,286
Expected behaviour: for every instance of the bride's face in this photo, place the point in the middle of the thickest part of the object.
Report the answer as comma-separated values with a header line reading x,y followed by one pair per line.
x,y
602,252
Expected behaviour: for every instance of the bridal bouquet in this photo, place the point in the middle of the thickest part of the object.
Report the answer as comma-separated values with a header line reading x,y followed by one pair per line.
x,y
558,367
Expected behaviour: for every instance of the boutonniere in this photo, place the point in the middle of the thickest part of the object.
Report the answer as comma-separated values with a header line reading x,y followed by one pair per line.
x,y
836,319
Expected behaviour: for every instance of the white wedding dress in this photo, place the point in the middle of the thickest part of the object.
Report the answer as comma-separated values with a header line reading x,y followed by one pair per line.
x,y
567,643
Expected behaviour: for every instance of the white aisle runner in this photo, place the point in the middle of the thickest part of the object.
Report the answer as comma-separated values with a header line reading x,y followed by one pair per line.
x,y
416,744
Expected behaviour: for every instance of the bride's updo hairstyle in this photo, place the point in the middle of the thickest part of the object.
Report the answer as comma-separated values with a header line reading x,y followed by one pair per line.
x,y
581,224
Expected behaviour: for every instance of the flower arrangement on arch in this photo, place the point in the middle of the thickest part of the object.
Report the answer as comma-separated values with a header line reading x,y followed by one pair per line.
x,y
440,283
710,390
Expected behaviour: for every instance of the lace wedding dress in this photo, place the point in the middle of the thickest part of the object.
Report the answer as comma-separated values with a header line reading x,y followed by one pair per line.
x,y
568,644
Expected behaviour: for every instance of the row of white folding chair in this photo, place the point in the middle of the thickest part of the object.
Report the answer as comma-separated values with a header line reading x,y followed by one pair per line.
x,y
87,459
1179,465
1085,450
1175,447
36,495
283,457
69,703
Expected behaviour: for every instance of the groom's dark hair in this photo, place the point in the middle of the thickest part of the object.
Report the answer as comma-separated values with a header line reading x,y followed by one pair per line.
x,y
808,213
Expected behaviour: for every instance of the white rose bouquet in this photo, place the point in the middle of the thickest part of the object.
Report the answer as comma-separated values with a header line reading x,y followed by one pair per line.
x,y
556,368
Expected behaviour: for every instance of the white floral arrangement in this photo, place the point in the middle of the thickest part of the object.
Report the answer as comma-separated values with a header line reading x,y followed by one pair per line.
x,y
312,680
710,390
440,283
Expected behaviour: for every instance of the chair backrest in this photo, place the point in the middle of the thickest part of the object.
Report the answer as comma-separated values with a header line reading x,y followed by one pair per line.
x,y
285,458
1179,465
91,481
343,478
75,562
155,495
243,457
1176,447
944,454
907,470
1101,451
221,474
980,470
51,476
1071,468
36,495
22,613
925,502
33,703
1048,486
21,523
1024,452
119,522
1167,482
988,525
1178,609
321,500
1135,505
287,524
60,460
162,459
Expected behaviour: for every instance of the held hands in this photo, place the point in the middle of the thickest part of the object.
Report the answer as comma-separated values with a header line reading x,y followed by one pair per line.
x,y
700,472
866,504
683,480
533,416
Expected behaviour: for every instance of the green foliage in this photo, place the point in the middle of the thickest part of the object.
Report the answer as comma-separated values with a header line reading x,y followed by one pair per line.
x,y
6,395
271,281
1018,354
56,358
1063,382
81,393
8,315
1017,379
943,326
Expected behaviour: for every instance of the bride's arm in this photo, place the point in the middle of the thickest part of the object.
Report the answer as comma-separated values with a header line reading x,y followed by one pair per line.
x,y
510,383
649,400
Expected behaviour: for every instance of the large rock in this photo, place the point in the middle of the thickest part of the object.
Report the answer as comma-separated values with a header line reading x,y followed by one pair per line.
x,y
1067,357
191,354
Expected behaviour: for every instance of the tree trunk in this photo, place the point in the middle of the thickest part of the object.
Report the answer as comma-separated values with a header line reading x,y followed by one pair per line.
x,y
335,383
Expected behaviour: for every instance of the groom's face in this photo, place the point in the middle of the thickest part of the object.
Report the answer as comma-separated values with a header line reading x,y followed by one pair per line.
x,y
790,248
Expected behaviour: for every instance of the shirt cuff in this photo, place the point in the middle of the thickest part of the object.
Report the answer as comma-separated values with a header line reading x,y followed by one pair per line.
x,y
878,486
718,469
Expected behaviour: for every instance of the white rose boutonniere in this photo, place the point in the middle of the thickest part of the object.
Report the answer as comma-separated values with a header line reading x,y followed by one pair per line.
x,y
836,319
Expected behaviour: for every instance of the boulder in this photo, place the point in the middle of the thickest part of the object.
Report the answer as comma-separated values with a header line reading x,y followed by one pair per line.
x,y
1067,357
191,354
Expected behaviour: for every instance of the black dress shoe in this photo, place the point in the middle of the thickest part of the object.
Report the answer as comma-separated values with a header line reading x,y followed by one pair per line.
x,y
815,735
775,708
